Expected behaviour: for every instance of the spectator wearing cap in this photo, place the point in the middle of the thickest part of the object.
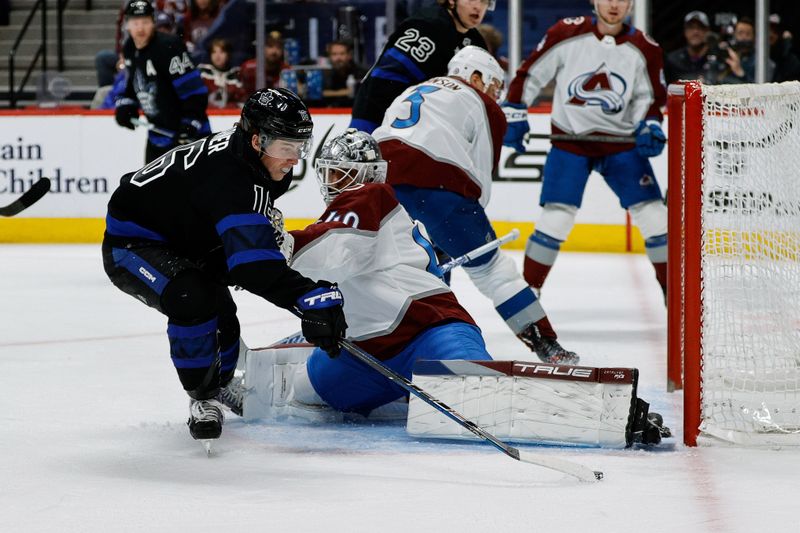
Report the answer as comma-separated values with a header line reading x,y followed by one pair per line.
x,y
274,63
690,62
165,22
340,82
787,64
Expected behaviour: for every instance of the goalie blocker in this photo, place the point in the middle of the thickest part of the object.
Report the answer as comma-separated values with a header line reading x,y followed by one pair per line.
x,y
514,400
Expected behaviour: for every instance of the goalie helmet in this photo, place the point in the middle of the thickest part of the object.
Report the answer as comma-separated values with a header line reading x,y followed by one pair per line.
x,y
473,58
282,122
347,162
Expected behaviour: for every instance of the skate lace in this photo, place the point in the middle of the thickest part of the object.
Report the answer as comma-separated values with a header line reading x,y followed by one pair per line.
x,y
232,395
204,411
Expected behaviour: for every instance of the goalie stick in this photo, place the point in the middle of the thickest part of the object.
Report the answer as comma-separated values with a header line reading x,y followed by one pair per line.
x,y
28,198
479,251
567,467
580,138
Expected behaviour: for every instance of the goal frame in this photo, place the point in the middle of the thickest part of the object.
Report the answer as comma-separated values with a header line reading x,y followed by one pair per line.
x,y
684,204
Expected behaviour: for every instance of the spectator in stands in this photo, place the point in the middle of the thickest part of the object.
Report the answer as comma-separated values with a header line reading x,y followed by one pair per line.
x,y
341,81
222,80
273,65
494,40
692,61
165,22
741,60
198,20
787,64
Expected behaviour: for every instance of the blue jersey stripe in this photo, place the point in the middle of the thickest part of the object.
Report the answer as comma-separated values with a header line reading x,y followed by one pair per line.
x,y
126,228
388,75
180,80
250,256
233,221
410,66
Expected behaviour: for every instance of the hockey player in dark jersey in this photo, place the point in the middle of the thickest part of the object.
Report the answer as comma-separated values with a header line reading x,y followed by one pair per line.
x,y
201,218
163,82
417,51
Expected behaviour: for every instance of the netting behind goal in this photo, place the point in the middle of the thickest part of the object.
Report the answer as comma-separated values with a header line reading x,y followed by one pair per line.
x,y
734,299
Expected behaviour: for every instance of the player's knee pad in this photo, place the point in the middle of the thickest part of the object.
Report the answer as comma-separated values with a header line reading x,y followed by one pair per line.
x,y
190,297
650,217
557,220
498,279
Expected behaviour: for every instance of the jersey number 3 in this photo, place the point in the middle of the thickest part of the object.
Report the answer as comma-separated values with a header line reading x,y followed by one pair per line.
x,y
416,99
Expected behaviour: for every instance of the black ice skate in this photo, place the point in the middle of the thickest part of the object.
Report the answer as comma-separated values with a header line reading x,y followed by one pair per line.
x,y
205,421
547,348
648,428
232,395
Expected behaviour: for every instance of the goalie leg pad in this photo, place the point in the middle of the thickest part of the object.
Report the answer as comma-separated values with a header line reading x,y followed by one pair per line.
x,y
528,402
513,299
277,386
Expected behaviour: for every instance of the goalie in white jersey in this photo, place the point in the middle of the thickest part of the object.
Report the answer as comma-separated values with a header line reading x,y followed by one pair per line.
x,y
609,81
442,140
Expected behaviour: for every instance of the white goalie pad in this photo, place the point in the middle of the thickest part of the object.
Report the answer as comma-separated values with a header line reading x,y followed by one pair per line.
x,y
277,385
527,402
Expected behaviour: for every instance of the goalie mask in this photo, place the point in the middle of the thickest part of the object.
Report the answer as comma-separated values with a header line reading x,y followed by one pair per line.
x,y
282,122
347,162
471,59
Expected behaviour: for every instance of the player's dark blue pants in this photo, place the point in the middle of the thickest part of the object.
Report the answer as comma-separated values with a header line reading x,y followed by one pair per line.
x,y
202,326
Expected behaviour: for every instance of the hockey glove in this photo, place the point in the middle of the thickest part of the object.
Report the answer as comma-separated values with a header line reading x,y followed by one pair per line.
x,y
517,119
650,138
190,131
125,112
322,317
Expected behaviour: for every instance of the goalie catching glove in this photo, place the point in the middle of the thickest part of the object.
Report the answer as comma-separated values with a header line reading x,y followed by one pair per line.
x,y
322,317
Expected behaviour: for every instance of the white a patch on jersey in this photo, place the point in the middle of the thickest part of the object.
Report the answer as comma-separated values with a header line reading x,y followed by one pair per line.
x,y
149,68
180,64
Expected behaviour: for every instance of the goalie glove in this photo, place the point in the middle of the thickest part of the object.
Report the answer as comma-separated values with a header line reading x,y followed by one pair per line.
x,y
517,119
322,319
650,138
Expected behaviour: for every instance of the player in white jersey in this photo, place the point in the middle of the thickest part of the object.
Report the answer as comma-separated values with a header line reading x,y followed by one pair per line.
x,y
382,261
442,140
609,81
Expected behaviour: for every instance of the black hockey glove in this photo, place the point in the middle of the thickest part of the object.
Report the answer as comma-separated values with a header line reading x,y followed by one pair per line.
x,y
190,131
124,113
323,317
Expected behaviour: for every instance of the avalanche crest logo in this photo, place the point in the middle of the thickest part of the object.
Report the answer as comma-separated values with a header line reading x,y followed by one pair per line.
x,y
601,87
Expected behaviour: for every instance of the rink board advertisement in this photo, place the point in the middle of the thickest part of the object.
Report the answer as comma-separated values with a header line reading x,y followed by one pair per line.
x,y
85,154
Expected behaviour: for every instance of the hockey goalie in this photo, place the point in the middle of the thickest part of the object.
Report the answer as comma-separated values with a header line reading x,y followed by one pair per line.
x,y
402,313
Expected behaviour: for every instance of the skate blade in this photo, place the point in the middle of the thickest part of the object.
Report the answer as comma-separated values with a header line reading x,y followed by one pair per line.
x,y
207,445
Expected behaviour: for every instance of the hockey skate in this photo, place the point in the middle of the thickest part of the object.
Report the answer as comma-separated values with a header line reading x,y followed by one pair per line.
x,y
232,395
648,428
547,348
205,421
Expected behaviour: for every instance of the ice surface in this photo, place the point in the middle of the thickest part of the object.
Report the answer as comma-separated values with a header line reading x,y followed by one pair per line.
x,y
93,435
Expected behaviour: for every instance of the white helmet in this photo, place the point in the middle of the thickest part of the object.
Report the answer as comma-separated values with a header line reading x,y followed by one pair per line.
x,y
347,162
473,58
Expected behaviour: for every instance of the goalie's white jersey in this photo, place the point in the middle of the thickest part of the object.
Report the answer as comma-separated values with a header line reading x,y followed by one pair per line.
x,y
604,84
443,134
366,242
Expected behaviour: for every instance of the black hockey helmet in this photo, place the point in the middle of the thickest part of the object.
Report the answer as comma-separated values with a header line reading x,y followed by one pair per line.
x,y
139,8
277,114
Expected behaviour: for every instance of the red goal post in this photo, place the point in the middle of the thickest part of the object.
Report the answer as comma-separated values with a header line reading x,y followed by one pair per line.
x,y
734,261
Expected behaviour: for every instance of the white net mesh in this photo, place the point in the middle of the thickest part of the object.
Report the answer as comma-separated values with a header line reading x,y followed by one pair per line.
x,y
751,263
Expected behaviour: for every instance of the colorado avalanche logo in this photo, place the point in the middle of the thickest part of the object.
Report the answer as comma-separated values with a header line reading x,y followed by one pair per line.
x,y
601,87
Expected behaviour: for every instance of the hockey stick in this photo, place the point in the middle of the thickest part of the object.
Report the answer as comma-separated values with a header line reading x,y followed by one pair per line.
x,y
573,469
28,198
579,138
479,251
155,129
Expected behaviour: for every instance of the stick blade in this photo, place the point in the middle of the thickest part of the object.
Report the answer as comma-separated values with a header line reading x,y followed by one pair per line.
x,y
28,198
567,467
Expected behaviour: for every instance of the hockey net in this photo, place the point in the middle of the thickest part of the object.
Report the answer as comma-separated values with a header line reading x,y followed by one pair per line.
x,y
734,261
